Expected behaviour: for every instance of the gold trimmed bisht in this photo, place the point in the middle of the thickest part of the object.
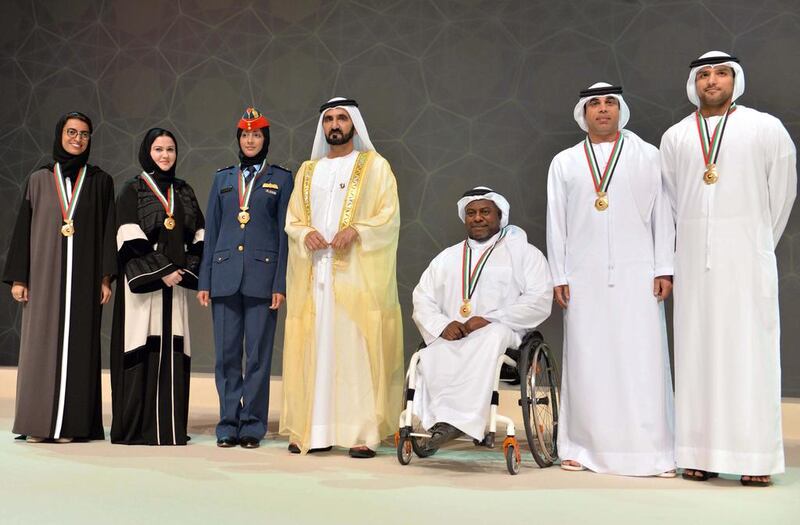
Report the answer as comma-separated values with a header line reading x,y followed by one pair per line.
x,y
365,288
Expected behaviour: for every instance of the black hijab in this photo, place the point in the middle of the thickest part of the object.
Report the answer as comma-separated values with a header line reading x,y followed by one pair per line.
x,y
244,160
70,164
146,160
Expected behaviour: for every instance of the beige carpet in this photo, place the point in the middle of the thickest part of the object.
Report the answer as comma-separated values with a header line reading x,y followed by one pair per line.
x,y
200,483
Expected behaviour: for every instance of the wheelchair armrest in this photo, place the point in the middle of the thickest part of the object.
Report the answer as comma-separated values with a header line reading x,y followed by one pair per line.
x,y
530,340
532,337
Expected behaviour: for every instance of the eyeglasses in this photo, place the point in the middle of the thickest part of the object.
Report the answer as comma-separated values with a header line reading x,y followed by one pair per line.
x,y
72,133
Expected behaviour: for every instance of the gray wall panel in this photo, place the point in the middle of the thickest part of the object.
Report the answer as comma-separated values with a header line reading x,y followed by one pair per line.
x,y
455,93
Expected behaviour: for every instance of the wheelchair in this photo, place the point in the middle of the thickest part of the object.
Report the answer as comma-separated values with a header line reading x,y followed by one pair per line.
x,y
533,368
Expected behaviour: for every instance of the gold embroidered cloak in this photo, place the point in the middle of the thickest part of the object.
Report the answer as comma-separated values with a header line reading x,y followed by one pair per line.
x,y
365,289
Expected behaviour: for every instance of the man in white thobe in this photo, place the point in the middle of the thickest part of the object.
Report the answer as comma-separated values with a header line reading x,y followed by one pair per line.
x,y
476,299
730,173
610,239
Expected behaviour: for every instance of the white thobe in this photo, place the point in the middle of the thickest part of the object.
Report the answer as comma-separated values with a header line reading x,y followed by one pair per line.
x,y
328,190
616,413
727,340
514,293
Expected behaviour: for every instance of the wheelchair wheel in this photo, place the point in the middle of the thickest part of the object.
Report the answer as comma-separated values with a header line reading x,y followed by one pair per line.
x,y
403,449
418,444
513,460
539,389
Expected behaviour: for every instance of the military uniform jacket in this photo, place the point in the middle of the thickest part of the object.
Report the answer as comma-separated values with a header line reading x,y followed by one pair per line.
x,y
250,259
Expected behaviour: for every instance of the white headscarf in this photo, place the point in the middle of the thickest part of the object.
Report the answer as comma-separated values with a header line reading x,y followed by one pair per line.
x,y
738,80
361,140
624,111
484,193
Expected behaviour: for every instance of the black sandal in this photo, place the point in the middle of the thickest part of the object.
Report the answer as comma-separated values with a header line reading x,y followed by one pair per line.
x,y
704,474
361,453
755,482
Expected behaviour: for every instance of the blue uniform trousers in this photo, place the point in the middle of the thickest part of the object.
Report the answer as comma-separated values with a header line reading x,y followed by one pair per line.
x,y
241,320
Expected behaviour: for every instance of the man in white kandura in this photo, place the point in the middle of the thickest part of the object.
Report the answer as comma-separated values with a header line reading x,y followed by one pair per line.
x,y
476,299
731,176
610,239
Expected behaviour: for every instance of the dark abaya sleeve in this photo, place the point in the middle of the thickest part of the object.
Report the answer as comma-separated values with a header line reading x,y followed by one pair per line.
x,y
110,265
194,252
19,251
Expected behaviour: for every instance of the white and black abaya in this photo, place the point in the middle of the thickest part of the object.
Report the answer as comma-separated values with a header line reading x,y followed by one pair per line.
x,y
150,350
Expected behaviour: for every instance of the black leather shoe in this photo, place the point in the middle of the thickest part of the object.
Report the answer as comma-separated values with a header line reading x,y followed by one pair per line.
x,y
361,453
227,442
249,442
324,449
441,433
293,448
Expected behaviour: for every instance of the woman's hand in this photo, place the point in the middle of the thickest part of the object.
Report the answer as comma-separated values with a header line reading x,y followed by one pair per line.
x,y
173,279
19,291
277,301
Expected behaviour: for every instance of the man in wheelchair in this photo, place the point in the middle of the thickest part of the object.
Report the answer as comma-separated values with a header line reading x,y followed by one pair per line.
x,y
476,299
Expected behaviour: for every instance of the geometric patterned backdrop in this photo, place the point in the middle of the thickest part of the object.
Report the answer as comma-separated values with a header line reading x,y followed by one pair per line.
x,y
454,94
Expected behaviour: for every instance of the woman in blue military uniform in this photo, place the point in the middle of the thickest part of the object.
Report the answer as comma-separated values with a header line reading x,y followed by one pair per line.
x,y
243,277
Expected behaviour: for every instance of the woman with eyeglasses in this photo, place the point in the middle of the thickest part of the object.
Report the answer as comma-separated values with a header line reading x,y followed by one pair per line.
x,y
60,264
160,232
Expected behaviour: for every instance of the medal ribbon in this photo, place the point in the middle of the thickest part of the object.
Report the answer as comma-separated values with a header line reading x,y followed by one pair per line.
x,y
710,144
601,183
68,204
169,202
470,279
244,194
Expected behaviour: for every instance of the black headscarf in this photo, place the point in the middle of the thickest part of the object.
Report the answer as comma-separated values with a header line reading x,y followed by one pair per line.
x,y
146,160
70,164
244,160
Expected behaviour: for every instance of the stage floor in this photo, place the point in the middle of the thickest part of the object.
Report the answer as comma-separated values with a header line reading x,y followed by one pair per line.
x,y
102,483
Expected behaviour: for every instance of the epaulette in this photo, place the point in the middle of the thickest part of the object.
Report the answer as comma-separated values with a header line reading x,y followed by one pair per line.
x,y
227,168
281,168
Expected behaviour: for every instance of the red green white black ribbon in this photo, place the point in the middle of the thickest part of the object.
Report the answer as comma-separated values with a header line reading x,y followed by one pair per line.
x,y
602,181
167,202
710,144
245,193
68,203
470,278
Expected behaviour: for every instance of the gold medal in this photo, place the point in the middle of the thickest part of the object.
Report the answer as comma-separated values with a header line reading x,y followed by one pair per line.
x,y
167,202
245,191
68,230
68,203
470,276
465,309
602,180
709,145
710,176
601,202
